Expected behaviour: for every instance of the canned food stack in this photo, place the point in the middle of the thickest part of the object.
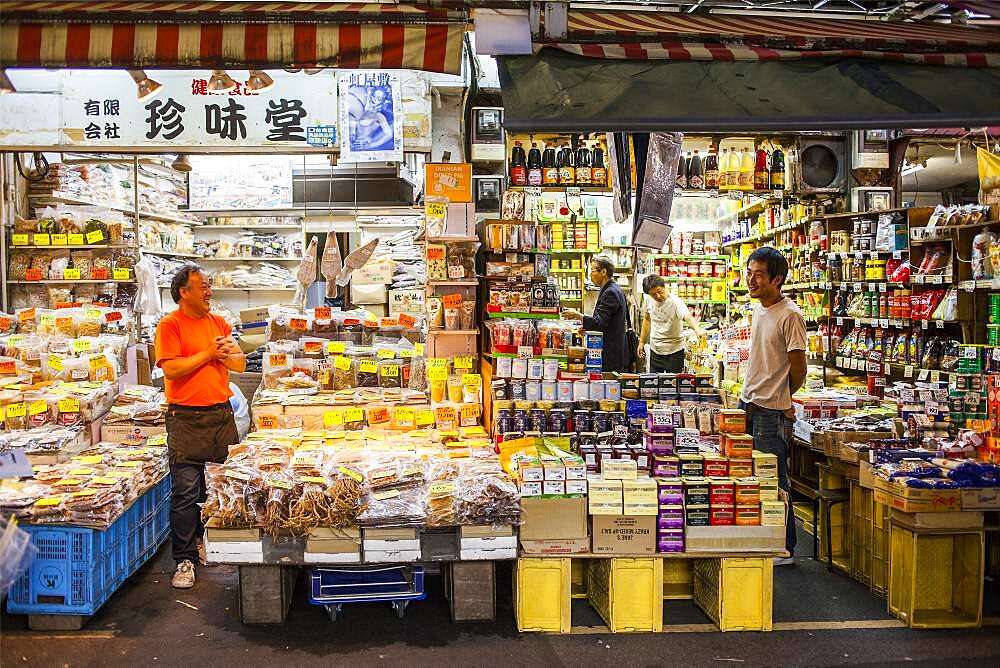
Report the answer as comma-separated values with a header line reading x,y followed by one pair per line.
x,y
594,343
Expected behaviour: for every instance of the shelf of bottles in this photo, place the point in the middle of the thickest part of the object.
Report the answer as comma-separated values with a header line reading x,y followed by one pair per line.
x,y
732,170
557,162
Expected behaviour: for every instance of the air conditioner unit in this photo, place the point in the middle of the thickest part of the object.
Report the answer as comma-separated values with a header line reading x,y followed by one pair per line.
x,y
821,165
487,134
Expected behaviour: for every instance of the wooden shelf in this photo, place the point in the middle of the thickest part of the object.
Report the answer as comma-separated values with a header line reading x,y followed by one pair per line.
x,y
73,247
453,332
58,197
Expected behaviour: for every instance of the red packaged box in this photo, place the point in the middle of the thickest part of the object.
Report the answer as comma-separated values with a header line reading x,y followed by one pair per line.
x,y
716,467
721,517
741,468
721,493
747,516
739,446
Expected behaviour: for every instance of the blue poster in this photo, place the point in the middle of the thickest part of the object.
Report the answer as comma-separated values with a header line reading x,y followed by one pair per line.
x,y
370,117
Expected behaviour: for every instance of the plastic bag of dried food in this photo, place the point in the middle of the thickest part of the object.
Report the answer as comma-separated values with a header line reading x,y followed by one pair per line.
x,y
235,495
395,507
492,500
18,265
125,294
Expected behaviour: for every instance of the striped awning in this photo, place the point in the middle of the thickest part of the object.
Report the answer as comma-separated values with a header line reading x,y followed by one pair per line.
x,y
207,35
659,36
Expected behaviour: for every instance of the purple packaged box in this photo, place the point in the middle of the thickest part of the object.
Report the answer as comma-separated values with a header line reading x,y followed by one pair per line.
x,y
672,542
671,519
659,443
665,467
670,494
660,422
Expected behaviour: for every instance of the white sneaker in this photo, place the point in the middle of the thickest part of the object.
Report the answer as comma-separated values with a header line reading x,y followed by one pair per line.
x,y
183,576
784,561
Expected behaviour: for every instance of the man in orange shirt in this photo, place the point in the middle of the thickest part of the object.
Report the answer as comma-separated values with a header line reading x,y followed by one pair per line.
x,y
196,352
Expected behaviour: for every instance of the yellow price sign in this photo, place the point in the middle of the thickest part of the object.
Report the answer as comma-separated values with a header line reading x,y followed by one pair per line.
x,y
470,411
81,345
418,349
95,236
49,501
351,473
389,371
443,488
59,240
38,407
74,239
464,362
354,415
425,416
42,240
102,480
406,354
342,363
405,416
336,347
121,274
333,418
19,240
313,478
69,405
437,363
436,374
92,314
385,354
88,459
55,363
368,366
71,274
472,379
383,496
435,209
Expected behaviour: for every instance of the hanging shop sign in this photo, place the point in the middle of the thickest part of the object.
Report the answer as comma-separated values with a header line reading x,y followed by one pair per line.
x,y
99,110
371,117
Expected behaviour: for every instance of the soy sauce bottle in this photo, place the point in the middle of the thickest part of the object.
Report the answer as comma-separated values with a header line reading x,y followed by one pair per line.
x,y
534,166
518,166
550,172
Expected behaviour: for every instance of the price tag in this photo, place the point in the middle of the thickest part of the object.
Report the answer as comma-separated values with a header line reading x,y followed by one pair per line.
x,y
856,287
887,369
71,274
871,287
384,496
525,352
322,313
95,236
463,362
335,347
88,459
298,324
75,239
342,363
932,408
268,421
59,240
406,353
472,379
8,367
389,371
55,363
48,501
121,274
312,347
873,368
935,376
32,274
405,416
38,407
388,322
939,324
452,300
378,415
157,439
437,374
996,354
6,324
882,287
354,415
840,361
406,320
19,240
69,405
470,412
277,359
385,354
437,363
444,414
237,475
367,366
319,480
859,255
906,394
884,322
456,271
103,480
113,316
923,374
923,324
424,417
418,349
435,253
897,255
443,488
42,240
840,321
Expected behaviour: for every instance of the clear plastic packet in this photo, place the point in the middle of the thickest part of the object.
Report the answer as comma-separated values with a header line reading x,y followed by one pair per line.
x,y
397,507
487,500
947,308
277,364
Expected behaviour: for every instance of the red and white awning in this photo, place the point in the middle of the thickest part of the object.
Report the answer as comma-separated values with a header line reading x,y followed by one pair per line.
x,y
657,36
207,35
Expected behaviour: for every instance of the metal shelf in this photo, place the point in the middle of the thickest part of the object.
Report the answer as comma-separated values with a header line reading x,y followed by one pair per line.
x,y
58,197
241,228
72,247
262,258
255,289
166,253
70,280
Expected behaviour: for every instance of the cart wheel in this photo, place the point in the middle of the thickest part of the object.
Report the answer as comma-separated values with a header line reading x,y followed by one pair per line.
x,y
332,610
400,608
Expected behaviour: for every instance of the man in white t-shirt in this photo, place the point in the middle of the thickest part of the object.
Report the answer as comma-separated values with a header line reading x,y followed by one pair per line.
x,y
776,368
663,317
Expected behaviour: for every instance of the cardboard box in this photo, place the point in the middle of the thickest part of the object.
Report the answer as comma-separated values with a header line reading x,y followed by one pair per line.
x,y
553,519
335,546
911,500
623,534
552,547
485,531
247,381
554,488
735,539
406,301
981,498
391,534
619,469
954,520
604,496
122,430
254,319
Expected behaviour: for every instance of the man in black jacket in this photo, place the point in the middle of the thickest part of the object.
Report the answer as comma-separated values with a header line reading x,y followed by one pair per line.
x,y
609,315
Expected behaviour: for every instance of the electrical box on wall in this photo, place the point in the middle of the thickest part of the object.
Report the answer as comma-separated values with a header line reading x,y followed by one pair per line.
x,y
486,191
487,134
871,149
872,199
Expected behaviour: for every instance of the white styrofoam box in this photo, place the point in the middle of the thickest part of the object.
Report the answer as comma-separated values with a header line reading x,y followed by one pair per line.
x,y
334,558
488,555
489,543
392,545
391,556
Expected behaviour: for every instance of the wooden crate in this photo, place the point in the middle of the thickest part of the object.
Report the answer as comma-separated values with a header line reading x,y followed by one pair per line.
x,y
471,590
266,593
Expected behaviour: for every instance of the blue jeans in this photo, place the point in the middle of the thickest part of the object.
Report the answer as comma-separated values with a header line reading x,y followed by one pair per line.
x,y
771,431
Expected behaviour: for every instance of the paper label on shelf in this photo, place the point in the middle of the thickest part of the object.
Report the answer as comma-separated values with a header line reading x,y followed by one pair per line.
x,y
463,362
157,439
884,322
388,322
59,240
443,414
42,240
939,324
923,324
406,354
342,363
935,376
320,480
452,301
120,274
268,421
99,274
908,371
406,320
379,414
17,410
322,313
882,287
333,418
435,209
437,363
69,405
33,274
525,352
923,374
859,255
996,354
298,324
856,287
75,239
470,411
840,321
19,239
336,347
71,274
354,415
38,407
49,501
95,236
405,416
435,253
424,417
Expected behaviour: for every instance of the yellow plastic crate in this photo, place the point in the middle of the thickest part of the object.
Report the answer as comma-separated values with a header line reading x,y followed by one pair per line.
x,y
579,578
839,534
627,593
803,512
542,595
862,505
880,549
678,579
935,579
736,593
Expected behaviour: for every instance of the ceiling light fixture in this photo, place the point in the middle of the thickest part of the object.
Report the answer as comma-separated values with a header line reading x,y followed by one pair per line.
x,y
145,87
259,81
220,82
181,163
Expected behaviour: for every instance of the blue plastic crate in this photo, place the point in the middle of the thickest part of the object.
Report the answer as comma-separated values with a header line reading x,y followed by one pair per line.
x,y
77,569
366,584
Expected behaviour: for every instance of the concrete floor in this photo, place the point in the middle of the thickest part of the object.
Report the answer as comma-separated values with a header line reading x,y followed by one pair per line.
x,y
820,619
